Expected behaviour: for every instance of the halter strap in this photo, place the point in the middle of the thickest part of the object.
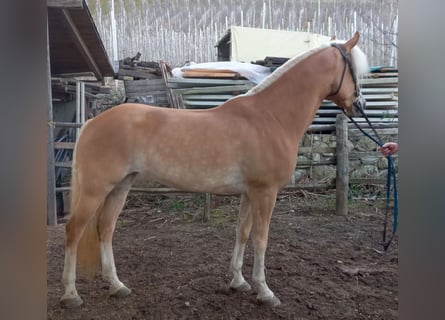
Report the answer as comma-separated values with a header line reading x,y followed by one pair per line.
x,y
348,62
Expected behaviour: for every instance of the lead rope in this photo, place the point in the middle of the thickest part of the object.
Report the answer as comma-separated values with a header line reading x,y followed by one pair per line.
x,y
391,174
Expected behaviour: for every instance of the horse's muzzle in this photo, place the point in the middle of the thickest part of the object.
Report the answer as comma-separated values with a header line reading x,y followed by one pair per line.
x,y
359,106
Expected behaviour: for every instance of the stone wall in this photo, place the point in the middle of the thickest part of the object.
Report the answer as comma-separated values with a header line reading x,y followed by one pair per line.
x,y
365,161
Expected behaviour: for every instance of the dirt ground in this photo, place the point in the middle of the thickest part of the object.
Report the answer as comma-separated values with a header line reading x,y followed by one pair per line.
x,y
321,266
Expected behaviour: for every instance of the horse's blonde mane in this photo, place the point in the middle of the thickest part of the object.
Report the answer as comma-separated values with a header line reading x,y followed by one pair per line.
x,y
282,69
359,61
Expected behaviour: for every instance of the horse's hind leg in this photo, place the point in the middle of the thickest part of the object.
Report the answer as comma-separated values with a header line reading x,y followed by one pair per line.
x,y
108,216
238,282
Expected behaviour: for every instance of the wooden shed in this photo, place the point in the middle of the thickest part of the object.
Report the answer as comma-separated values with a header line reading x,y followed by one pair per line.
x,y
78,66
74,43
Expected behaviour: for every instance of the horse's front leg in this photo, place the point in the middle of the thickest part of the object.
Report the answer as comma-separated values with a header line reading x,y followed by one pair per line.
x,y
238,282
262,204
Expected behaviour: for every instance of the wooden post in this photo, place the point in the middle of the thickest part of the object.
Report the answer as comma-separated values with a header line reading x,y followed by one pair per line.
x,y
207,207
51,175
342,176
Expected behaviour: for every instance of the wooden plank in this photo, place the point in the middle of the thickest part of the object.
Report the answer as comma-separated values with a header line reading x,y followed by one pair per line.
x,y
51,206
146,93
197,74
81,45
64,145
379,81
66,124
203,70
145,69
342,172
331,127
207,96
323,186
380,96
178,82
383,74
218,89
136,73
207,206
194,107
66,164
145,87
155,94
198,103
145,81
172,102
320,128
71,4
379,90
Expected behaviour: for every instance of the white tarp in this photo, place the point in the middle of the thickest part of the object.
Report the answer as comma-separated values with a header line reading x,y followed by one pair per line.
x,y
251,44
253,72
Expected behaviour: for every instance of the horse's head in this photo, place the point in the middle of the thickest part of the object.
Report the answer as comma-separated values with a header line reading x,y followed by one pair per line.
x,y
352,64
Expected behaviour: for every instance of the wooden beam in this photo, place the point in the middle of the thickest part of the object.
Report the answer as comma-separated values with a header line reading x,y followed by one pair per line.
x,y
342,176
64,145
72,4
81,45
51,206
66,124
207,206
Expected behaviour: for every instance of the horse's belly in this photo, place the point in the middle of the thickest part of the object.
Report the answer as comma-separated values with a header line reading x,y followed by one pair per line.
x,y
198,179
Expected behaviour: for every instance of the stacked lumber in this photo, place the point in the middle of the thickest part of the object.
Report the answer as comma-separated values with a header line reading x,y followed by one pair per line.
x,y
144,81
136,70
64,88
147,91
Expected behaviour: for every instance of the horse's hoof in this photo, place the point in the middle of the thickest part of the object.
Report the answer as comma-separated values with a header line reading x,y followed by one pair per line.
x,y
121,292
244,287
69,303
270,301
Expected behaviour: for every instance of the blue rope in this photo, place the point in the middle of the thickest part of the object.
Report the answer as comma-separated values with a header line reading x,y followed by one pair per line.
x,y
391,174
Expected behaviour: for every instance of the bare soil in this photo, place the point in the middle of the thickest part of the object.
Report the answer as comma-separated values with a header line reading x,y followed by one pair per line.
x,y
320,265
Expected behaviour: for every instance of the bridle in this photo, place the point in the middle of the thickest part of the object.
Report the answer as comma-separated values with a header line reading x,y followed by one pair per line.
x,y
348,62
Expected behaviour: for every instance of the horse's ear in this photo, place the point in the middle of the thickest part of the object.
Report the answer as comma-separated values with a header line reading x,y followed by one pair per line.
x,y
352,42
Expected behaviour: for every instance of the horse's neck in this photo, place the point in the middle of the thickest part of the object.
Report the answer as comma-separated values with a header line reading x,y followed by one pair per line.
x,y
294,98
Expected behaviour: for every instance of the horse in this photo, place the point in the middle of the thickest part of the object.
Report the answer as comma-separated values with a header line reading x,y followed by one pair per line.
x,y
247,146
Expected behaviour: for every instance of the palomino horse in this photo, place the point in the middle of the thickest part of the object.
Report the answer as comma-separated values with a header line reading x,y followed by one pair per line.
x,y
248,146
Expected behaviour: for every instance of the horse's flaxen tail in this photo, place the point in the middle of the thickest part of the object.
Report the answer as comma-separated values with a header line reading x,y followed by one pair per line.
x,y
88,250
83,210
